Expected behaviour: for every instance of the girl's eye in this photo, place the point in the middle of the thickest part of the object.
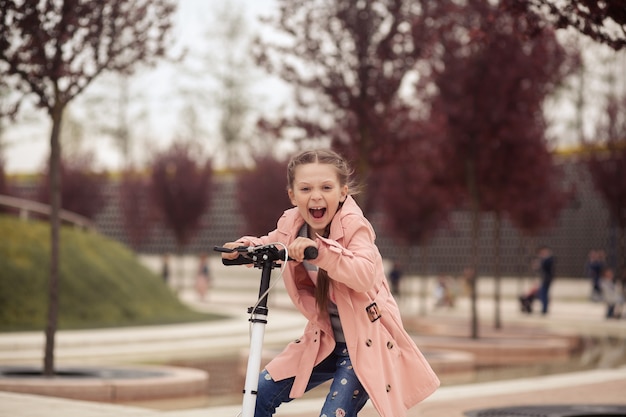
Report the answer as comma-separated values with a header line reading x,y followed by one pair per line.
x,y
304,189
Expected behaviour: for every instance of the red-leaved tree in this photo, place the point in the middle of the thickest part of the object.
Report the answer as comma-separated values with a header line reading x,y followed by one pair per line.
x,y
262,195
491,85
181,190
415,192
138,212
603,21
82,188
348,63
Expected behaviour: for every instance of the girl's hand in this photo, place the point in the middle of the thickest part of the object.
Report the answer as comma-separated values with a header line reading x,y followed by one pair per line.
x,y
297,247
231,255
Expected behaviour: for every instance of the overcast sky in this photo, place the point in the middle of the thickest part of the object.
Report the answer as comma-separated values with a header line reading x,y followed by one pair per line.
x,y
27,143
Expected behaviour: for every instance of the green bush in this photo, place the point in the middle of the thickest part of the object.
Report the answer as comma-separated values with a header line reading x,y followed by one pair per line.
x,y
101,283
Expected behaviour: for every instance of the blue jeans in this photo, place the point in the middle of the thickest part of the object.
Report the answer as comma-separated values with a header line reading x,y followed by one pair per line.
x,y
544,295
346,396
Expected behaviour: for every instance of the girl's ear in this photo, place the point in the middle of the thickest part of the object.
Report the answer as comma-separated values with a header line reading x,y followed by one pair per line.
x,y
344,193
291,197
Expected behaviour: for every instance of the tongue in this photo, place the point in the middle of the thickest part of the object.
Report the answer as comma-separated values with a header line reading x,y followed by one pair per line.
x,y
317,213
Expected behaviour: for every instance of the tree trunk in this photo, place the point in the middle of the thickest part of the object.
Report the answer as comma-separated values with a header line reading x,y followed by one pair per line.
x,y
474,276
55,205
497,231
424,252
521,266
179,287
403,260
472,188
621,259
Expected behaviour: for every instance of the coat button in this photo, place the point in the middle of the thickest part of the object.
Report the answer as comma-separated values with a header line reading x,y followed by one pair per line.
x,y
389,345
368,342
388,387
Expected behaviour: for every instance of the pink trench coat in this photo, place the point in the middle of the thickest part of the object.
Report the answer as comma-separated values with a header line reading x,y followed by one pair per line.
x,y
391,368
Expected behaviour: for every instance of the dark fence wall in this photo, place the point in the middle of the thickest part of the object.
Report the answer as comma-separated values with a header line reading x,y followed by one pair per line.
x,y
583,225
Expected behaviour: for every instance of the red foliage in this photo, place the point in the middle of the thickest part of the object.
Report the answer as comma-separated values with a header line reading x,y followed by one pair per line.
x,y
536,196
262,195
138,214
82,189
491,86
416,193
603,21
67,44
181,189
347,62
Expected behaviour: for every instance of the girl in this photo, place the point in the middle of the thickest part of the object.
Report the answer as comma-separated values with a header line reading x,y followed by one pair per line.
x,y
354,333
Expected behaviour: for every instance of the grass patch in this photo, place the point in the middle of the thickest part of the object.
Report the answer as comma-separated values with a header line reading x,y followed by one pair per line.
x,y
101,282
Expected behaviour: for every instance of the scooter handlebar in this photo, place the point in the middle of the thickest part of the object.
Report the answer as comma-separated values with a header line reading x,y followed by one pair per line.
x,y
248,253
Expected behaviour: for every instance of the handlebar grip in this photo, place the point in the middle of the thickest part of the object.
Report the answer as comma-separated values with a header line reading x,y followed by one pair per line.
x,y
240,260
310,252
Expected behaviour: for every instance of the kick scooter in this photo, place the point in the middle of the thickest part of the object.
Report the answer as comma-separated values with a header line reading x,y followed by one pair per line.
x,y
266,258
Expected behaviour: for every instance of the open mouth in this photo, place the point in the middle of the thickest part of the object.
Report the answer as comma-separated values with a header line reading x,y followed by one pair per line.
x,y
317,213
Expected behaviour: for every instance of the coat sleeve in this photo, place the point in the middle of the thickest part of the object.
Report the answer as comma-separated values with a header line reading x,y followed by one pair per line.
x,y
351,259
271,237
278,235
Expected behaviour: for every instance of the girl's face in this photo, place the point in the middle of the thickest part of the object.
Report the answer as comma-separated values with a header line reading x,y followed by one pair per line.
x,y
317,192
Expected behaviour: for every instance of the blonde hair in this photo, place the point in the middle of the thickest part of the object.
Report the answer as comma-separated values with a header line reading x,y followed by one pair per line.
x,y
320,156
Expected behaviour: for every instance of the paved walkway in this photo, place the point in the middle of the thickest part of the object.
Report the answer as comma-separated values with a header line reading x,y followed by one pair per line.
x,y
570,313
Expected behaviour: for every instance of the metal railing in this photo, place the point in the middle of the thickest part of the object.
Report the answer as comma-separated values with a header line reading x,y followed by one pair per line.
x,y
26,207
